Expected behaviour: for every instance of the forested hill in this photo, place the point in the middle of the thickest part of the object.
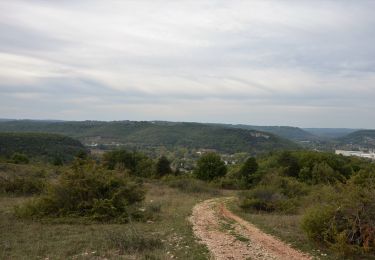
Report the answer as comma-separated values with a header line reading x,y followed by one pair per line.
x,y
40,145
155,134
288,132
330,133
364,138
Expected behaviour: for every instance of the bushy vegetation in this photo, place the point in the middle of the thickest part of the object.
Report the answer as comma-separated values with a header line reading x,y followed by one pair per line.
x,y
87,191
189,184
19,158
136,163
344,216
210,166
275,193
338,192
163,167
20,147
21,179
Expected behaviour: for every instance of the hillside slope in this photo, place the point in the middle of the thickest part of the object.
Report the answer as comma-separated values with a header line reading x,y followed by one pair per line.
x,y
41,145
155,134
330,133
288,132
363,138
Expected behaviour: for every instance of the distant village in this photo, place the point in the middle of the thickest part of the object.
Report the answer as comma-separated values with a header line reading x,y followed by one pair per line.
x,y
363,154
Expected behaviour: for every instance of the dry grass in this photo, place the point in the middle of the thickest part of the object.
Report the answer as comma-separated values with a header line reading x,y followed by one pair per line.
x,y
169,236
285,227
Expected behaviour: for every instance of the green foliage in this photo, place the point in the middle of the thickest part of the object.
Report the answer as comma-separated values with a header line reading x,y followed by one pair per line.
x,y
210,167
323,173
21,185
316,222
365,177
136,163
188,184
274,193
21,179
289,163
326,168
163,167
38,145
160,134
19,158
248,170
345,220
312,167
87,191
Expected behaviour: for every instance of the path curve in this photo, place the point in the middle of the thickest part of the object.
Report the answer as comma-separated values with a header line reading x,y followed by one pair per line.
x,y
228,236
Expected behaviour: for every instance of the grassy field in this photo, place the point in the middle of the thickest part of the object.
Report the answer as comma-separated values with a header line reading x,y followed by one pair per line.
x,y
285,227
167,237
288,229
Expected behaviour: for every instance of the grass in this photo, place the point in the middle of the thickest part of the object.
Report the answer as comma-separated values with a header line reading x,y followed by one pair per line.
x,y
228,225
168,236
285,227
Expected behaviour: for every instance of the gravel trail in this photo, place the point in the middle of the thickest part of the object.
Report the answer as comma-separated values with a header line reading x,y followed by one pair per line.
x,y
228,236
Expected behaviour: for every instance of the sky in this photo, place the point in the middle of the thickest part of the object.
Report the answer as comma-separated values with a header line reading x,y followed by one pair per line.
x,y
262,62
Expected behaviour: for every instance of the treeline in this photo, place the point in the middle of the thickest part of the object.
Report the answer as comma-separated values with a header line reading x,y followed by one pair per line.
x,y
20,147
146,135
334,195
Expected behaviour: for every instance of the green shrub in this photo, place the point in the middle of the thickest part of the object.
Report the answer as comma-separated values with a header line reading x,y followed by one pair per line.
x,y
136,163
345,220
248,170
19,158
316,222
264,198
189,185
163,167
88,191
210,167
289,163
22,185
231,183
22,179
274,193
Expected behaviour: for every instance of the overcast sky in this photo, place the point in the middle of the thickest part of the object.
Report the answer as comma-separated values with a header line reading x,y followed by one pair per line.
x,y
282,62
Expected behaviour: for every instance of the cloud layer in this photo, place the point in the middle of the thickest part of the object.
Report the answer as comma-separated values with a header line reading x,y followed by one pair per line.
x,y
303,63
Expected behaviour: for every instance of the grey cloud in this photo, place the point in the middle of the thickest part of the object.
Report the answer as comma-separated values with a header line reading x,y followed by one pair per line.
x,y
268,57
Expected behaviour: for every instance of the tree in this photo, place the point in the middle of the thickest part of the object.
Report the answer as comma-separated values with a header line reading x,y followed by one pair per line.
x,y
20,158
210,166
248,169
87,190
289,163
163,167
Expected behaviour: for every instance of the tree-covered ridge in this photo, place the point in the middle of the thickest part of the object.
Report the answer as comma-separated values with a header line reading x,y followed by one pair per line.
x,y
288,132
365,138
154,134
40,145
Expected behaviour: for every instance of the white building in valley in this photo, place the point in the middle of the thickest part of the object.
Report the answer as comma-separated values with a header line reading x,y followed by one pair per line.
x,y
368,155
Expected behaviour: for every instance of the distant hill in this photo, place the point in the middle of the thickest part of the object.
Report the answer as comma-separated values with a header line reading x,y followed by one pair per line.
x,y
330,133
288,132
156,134
362,138
39,145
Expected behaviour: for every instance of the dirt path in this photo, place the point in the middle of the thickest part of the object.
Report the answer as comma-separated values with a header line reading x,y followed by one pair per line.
x,y
227,236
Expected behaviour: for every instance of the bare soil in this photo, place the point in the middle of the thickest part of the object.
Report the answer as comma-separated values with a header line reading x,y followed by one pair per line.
x,y
228,236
